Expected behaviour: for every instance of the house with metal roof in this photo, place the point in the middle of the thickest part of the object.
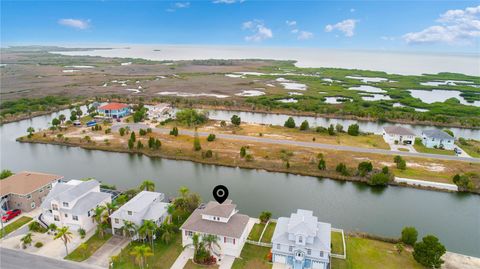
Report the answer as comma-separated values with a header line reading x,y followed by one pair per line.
x,y
398,135
221,220
73,204
146,205
301,241
438,139
114,110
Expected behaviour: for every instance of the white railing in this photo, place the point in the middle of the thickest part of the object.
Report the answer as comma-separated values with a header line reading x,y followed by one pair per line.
x,y
344,255
261,244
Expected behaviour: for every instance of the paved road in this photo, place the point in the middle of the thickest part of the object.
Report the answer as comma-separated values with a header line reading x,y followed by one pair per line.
x,y
137,126
13,259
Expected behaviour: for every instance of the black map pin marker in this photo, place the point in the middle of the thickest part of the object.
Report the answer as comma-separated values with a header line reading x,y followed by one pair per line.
x,y
220,193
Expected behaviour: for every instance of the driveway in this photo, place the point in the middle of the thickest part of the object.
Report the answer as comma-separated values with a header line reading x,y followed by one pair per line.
x,y
112,247
183,258
136,126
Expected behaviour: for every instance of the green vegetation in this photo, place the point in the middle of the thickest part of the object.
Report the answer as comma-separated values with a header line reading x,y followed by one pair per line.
x,y
265,216
470,146
174,131
236,120
289,123
337,243
304,126
429,251
196,143
15,225
267,235
365,253
92,244
34,226
211,137
379,179
353,130
420,147
342,169
256,231
253,257
28,105
409,235
400,162
467,181
191,117
5,173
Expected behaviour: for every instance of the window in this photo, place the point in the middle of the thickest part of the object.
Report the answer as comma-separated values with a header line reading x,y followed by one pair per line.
x,y
321,253
75,218
32,204
88,213
65,204
117,221
56,218
129,213
290,248
309,252
54,207
278,246
66,215
300,239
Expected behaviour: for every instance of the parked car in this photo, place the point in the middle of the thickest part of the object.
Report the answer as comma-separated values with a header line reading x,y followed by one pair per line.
x,y
91,123
10,214
457,151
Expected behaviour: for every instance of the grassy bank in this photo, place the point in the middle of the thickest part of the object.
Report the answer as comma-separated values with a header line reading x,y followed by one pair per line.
x,y
15,225
92,245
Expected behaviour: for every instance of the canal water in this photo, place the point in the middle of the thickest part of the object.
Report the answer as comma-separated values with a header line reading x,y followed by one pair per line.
x,y
454,218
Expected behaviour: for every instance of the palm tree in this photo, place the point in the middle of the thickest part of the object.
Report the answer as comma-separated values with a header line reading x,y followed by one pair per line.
x,y
197,245
130,227
62,118
30,131
141,253
210,241
170,211
27,239
99,218
167,231
148,228
183,191
147,185
111,207
65,235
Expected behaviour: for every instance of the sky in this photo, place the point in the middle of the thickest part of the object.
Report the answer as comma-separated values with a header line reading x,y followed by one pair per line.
x,y
445,26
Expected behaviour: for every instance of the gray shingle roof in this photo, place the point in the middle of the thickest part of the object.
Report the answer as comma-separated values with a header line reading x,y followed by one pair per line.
x,y
77,190
223,210
234,228
88,202
145,205
438,134
398,130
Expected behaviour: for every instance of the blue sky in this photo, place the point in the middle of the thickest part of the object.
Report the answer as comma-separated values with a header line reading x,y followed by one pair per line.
x,y
452,26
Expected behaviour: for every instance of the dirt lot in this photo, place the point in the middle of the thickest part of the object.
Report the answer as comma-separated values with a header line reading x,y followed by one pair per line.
x,y
38,74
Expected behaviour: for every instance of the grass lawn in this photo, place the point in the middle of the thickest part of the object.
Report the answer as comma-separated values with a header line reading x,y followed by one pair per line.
x,y
163,258
472,147
371,254
15,225
191,265
93,244
421,148
252,257
267,236
337,243
256,231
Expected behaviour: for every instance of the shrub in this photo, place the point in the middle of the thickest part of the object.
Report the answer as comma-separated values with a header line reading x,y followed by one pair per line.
x,y
304,126
196,143
142,132
265,216
211,137
5,173
34,226
322,165
331,130
139,144
249,157
364,168
464,181
353,130
429,251
133,137
290,123
223,124
82,233
174,131
243,152
151,142
236,120
191,117
339,128
131,143
401,163
342,169
449,132
158,143
149,130
409,235
108,130
385,170
38,244
379,179
208,154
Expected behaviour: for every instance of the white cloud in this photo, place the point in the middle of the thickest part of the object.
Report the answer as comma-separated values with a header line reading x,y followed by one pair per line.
x,y
259,31
291,23
455,26
305,35
228,1
75,23
352,10
178,5
347,27
388,38
294,31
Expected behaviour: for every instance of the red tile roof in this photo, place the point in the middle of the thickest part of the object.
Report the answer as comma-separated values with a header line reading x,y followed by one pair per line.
x,y
113,106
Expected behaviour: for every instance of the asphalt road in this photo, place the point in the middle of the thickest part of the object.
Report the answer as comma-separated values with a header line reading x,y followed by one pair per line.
x,y
13,259
137,126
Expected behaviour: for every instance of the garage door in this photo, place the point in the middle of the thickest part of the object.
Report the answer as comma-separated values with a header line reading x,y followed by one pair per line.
x,y
280,259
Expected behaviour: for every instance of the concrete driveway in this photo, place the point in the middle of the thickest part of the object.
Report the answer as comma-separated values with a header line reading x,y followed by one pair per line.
x,y
112,247
183,258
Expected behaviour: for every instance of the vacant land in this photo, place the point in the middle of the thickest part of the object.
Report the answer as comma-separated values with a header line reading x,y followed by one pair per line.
x,y
472,147
337,243
253,257
256,231
163,258
92,245
267,235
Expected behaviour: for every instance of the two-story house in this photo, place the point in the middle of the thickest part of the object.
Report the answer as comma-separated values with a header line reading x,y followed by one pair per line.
x,y
221,220
73,204
301,241
114,110
438,139
146,205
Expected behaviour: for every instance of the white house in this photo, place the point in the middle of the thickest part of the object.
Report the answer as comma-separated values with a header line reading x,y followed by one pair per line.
x,y
399,134
159,111
221,220
146,205
301,241
73,203
437,139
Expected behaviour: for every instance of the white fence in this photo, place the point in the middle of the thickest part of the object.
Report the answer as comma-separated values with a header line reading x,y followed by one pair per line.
x,y
344,255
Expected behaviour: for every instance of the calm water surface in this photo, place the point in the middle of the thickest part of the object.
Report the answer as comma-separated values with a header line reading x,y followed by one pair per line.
x,y
454,218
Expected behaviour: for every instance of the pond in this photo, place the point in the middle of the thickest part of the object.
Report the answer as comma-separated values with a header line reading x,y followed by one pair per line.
x,y
454,218
433,96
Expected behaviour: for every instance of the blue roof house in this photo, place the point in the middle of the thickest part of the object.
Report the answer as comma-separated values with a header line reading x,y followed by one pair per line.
x,y
438,139
301,241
